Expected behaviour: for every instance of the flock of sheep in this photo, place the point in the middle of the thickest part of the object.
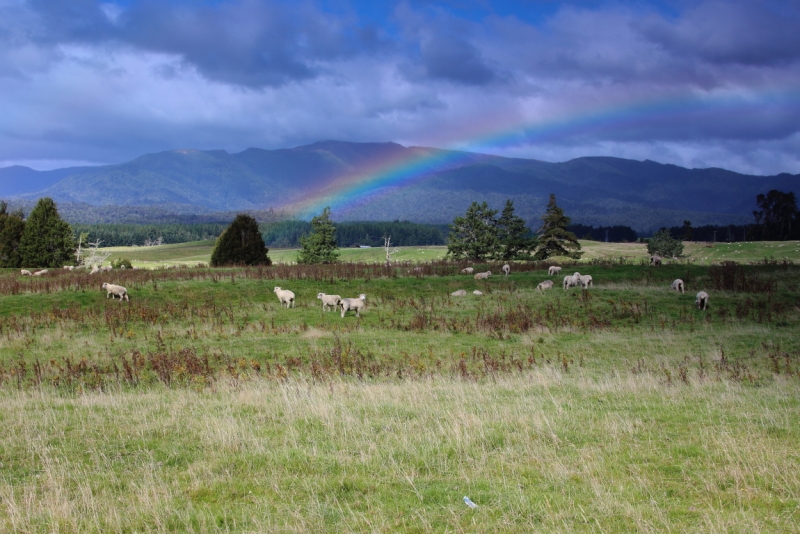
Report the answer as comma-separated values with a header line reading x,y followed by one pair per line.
x,y
335,302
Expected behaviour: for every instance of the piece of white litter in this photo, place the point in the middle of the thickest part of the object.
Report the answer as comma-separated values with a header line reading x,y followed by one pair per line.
x,y
469,503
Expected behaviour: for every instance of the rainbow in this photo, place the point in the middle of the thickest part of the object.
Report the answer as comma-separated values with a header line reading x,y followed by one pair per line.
x,y
413,165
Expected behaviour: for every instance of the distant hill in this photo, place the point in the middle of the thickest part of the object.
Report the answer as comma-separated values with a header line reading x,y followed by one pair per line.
x,y
593,190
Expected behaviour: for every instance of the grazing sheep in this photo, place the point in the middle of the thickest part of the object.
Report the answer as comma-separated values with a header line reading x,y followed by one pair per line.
x,y
585,280
329,300
68,267
655,260
701,301
468,270
354,304
106,268
116,291
25,272
482,276
95,269
677,285
506,269
547,284
553,270
285,296
570,281
476,292
40,273
459,293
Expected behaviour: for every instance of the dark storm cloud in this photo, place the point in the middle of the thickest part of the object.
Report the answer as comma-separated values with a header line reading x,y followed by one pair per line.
x,y
455,60
748,33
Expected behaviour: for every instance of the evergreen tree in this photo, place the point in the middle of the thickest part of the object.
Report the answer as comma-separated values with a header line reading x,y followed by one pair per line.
x,y
555,239
47,241
12,226
240,244
513,235
664,245
778,212
320,245
474,236
688,231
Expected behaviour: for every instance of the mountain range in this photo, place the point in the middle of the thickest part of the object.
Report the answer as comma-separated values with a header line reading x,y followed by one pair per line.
x,y
593,190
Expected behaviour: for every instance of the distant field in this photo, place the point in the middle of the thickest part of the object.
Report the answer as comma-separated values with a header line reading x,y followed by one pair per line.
x,y
700,253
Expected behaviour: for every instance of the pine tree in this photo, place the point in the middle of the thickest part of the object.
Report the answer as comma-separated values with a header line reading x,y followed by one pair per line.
x,y
555,240
319,246
513,235
240,244
474,236
47,241
664,245
12,226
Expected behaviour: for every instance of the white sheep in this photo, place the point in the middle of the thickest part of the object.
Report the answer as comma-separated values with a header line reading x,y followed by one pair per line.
x,y
547,284
677,285
95,269
570,281
285,296
553,270
506,269
25,272
106,268
68,267
459,293
329,300
585,280
701,301
477,292
482,276
40,273
468,270
354,305
116,291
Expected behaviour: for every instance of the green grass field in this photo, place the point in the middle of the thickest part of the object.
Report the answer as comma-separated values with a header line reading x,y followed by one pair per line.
x,y
701,253
202,405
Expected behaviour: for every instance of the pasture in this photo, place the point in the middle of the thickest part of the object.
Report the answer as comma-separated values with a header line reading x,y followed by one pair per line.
x,y
204,406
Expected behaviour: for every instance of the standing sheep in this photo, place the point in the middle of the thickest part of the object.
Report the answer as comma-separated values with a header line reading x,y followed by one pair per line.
x,y
40,273
553,270
585,280
482,276
354,305
329,300
116,291
506,269
68,267
547,284
285,296
655,260
468,270
25,272
701,301
570,281
677,285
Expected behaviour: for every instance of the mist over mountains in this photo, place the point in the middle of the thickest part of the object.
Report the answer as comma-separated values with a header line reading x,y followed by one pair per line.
x,y
215,184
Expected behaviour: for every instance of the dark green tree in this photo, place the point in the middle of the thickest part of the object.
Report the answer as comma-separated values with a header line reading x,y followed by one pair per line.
x,y
664,245
514,237
687,231
47,241
12,226
320,245
777,215
240,244
474,236
554,238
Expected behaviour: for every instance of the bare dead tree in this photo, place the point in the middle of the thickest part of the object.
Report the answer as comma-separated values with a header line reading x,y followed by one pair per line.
x,y
387,246
85,259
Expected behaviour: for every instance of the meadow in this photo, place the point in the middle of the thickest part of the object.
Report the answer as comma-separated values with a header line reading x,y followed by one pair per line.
x,y
203,406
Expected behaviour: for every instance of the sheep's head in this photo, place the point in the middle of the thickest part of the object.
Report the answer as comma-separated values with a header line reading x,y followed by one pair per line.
x,y
320,295
276,289
105,285
363,297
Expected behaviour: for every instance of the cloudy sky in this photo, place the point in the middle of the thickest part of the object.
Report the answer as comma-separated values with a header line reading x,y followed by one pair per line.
x,y
695,83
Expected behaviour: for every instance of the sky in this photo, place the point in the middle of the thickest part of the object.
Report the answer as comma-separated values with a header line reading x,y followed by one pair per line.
x,y
698,84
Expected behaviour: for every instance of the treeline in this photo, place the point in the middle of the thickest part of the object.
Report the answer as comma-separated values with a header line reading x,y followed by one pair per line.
x,y
287,234
615,234
712,232
126,235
